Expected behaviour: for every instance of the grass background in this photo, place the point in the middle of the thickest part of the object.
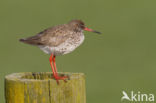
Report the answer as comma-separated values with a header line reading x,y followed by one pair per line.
x,y
122,58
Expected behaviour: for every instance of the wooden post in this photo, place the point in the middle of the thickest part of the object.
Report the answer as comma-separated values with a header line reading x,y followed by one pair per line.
x,y
41,88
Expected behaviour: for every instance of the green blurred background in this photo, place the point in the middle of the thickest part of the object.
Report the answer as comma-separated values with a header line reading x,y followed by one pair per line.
x,y
122,58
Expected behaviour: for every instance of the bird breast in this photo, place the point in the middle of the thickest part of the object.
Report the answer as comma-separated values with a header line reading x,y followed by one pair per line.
x,y
66,47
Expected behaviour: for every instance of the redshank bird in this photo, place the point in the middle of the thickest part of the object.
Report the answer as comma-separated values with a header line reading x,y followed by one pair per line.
x,y
59,40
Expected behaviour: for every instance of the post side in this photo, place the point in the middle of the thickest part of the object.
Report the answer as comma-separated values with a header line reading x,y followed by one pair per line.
x,y
42,88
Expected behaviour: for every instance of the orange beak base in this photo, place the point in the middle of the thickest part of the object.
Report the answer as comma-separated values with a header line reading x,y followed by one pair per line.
x,y
87,29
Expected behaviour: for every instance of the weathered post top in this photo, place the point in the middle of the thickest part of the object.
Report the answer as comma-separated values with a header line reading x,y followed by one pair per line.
x,y
41,88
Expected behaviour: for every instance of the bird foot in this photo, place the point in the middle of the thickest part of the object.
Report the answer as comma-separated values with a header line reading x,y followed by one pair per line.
x,y
57,78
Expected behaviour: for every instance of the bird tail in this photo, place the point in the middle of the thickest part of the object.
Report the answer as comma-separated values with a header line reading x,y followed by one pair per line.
x,y
22,40
30,41
27,41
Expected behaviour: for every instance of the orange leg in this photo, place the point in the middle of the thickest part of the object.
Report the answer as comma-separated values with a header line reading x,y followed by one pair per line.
x,y
54,69
55,65
51,64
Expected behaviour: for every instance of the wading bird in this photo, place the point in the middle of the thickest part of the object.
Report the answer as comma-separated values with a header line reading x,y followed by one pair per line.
x,y
59,40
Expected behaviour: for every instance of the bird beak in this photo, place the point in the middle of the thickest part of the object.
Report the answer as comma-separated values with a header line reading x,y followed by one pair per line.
x,y
87,29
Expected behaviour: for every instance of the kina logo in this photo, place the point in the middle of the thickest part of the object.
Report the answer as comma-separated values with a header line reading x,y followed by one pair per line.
x,y
137,96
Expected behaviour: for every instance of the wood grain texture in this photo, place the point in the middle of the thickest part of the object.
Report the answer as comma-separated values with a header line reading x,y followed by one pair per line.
x,y
42,88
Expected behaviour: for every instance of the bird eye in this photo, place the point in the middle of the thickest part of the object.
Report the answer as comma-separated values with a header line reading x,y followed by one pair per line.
x,y
82,26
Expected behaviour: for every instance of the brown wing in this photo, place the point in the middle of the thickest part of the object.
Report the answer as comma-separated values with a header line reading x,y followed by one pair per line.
x,y
53,36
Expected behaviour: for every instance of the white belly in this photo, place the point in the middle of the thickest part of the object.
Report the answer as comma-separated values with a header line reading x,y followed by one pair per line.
x,y
64,48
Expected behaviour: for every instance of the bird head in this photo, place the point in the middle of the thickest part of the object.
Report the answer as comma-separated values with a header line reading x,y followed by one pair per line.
x,y
79,26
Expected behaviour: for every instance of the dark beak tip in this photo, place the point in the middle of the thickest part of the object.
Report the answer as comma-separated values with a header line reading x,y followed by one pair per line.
x,y
97,32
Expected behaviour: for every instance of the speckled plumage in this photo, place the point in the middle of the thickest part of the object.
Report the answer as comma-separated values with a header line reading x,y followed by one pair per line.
x,y
59,40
